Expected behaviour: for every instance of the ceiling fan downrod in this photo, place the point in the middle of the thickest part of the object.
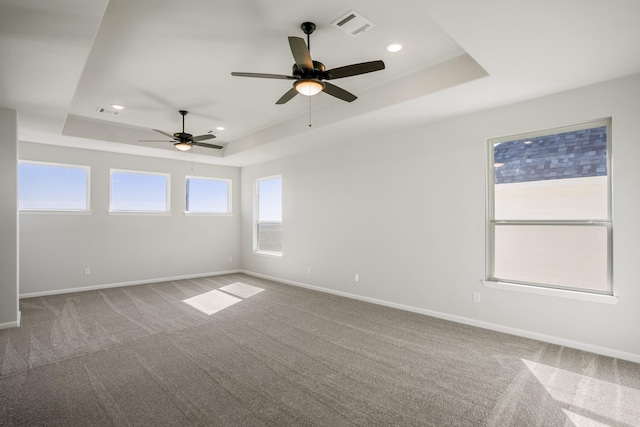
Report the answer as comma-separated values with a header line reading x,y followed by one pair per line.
x,y
184,113
308,28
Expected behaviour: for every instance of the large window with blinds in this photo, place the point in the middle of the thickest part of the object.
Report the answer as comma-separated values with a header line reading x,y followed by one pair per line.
x,y
549,209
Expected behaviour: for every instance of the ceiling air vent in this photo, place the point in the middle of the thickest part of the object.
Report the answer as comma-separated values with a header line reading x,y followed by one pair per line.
x,y
353,23
108,111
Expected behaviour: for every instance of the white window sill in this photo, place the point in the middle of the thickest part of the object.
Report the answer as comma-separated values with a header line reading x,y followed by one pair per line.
x,y
562,293
208,214
55,212
140,213
269,254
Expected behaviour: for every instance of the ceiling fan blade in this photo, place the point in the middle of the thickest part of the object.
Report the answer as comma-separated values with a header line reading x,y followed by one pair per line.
x,y
153,140
164,133
353,70
204,144
334,90
300,53
263,76
287,96
202,137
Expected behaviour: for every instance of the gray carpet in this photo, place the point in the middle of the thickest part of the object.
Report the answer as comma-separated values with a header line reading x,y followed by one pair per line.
x,y
269,354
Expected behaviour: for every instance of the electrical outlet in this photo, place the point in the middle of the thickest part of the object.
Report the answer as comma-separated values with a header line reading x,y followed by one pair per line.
x,y
230,258
87,271
308,270
476,297
357,278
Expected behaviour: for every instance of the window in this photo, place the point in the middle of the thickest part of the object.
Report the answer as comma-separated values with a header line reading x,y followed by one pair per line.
x,y
268,229
134,191
208,195
53,187
550,209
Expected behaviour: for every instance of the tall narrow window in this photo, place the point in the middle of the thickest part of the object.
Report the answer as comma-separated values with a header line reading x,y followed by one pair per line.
x,y
208,195
53,187
268,228
135,191
550,209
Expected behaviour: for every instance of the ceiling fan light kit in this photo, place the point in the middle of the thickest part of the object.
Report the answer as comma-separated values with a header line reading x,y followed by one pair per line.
x,y
309,75
182,146
309,87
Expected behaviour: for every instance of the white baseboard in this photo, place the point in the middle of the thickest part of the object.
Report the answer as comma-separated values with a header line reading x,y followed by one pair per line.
x,y
7,325
117,285
631,357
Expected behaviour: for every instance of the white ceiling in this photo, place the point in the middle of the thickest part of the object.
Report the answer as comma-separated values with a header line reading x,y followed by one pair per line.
x,y
62,59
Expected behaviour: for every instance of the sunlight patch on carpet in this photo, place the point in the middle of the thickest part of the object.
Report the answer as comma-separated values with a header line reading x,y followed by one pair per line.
x,y
211,302
588,400
581,420
241,290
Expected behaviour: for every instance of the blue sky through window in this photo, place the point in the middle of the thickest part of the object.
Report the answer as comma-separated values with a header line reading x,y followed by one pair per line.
x,y
138,192
52,187
270,200
207,195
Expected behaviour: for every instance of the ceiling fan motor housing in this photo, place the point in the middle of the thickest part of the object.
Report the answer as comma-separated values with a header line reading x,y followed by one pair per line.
x,y
182,136
318,71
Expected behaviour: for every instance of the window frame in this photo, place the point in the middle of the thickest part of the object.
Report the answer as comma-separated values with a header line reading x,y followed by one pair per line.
x,y
491,222
229,183
86,168
167,210
256,216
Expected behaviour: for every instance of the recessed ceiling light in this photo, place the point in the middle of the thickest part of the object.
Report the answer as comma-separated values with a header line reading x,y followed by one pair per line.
x,y
395,47
117,107
219,128
527,142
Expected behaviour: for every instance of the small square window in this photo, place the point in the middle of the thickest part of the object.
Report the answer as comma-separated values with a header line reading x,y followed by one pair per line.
x,y
53,187
208,195
135,191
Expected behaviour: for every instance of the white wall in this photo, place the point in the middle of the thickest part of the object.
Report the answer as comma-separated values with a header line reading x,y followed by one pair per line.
x,y
56,248
9,314
410,220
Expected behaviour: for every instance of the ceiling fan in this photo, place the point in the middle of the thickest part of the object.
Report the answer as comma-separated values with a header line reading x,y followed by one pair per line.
x,y
310,75
184,141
